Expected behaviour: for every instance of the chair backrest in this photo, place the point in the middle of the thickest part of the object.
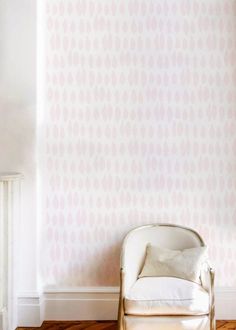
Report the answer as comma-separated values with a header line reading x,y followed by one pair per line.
x,y
164,235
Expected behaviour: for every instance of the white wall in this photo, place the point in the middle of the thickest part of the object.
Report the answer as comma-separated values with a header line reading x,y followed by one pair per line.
x,y
18,119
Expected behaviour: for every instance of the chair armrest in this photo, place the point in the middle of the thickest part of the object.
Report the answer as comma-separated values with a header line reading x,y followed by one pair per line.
x,y
129,274
131,262
207,277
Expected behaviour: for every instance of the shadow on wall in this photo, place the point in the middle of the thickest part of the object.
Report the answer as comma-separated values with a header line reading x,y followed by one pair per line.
x,y
17,140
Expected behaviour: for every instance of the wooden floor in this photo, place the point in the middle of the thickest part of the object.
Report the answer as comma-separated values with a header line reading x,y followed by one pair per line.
x,y
105,325
226,325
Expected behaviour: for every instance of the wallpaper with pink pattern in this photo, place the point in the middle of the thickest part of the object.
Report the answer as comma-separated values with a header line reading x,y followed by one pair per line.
x,y
139,127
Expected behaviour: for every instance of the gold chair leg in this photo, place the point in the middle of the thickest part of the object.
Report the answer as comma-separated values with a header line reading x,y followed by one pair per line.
x,y
121,306
212,312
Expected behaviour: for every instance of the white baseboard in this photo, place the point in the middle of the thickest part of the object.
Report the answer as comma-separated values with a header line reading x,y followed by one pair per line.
x,y
225,301
92,303
29,310
3,319
95,303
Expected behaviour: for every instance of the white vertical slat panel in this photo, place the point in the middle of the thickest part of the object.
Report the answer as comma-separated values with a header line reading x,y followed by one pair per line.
x,y
9,224
2,257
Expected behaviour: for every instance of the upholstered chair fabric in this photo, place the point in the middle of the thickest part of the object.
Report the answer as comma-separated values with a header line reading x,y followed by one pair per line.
x,y
163,302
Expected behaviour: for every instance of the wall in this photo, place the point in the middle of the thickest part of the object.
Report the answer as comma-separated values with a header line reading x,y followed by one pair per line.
x,y
139,127
18,121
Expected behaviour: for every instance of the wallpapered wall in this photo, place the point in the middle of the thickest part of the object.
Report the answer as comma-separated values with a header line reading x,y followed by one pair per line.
x,y
140,127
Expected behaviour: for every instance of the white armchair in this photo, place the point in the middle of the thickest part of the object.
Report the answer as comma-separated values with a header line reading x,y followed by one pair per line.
x,y
161,303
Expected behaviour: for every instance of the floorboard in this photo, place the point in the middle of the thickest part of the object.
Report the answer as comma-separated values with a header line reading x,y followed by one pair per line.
x,y
104,325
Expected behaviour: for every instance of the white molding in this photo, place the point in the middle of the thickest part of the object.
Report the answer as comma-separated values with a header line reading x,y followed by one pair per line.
x,y
3,319
29,310
225,301
81,303
79,289
94,303
9,225
10,176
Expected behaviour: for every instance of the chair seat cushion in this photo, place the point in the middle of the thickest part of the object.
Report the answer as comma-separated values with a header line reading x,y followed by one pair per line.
x,y
166,296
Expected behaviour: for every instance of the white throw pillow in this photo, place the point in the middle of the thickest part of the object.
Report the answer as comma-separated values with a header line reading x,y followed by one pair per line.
x,y
185,264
